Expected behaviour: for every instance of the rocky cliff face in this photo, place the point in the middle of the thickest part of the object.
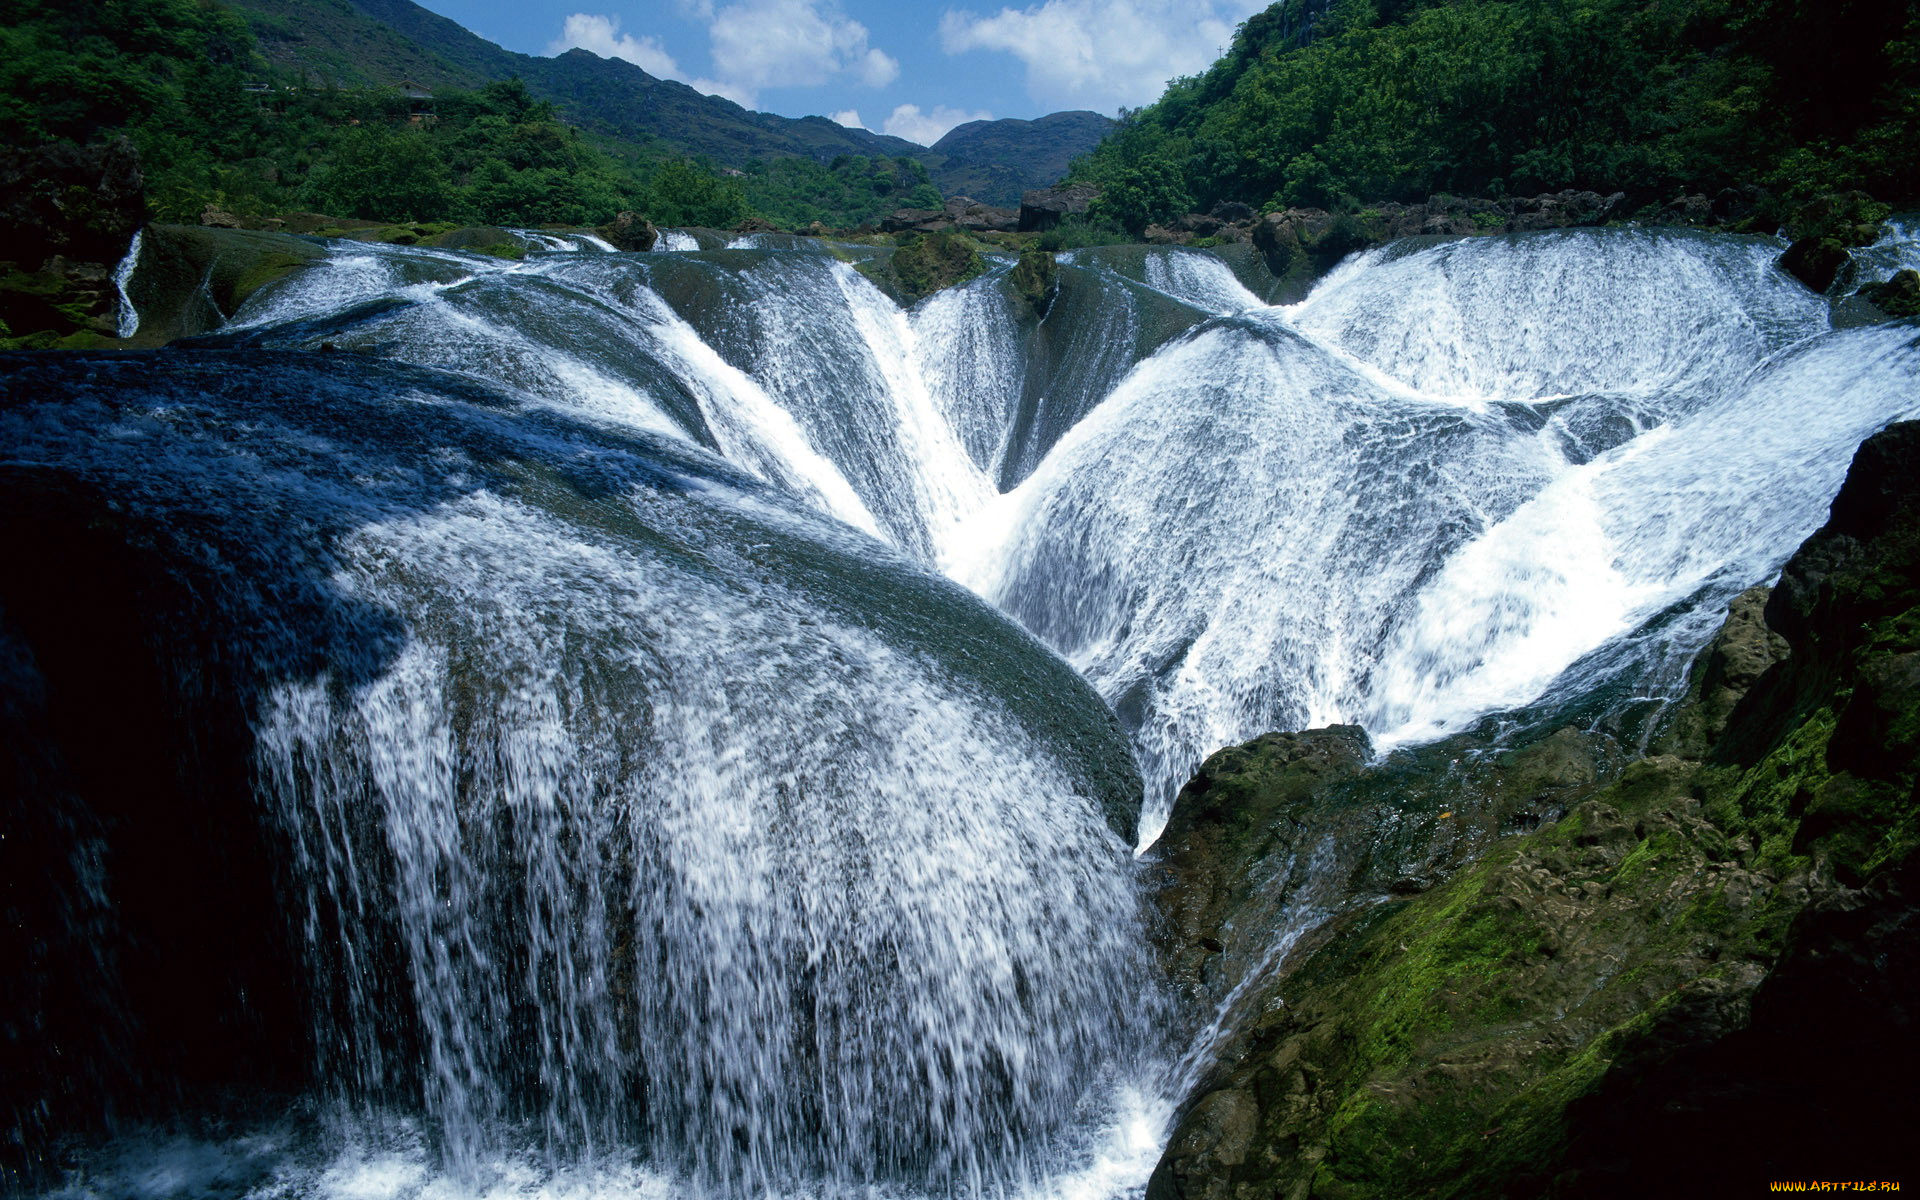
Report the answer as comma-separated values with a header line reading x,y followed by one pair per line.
x,y
1700,974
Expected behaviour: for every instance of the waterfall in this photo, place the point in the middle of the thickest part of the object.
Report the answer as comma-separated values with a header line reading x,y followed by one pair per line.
x,y
127,318
627,804
654,819
1434,486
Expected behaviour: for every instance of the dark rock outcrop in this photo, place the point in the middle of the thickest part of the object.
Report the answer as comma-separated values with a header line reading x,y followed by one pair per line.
x,y
630,231
1044,208
82,203
1700,978
1897,297
70,213
1815,261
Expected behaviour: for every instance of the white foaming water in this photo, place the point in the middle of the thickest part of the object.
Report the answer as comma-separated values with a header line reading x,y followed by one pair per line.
x,y
647,834
1563,313
1701,509
676,239
562,243
357,272
1221,544
970,353
1376,506
1255,532
127,317
1897,250
1201,280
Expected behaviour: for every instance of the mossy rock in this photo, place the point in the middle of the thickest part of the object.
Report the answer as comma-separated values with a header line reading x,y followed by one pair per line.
x,y
1702,977
1897,297
66,307
1035,281
923,265
192,279
1815,261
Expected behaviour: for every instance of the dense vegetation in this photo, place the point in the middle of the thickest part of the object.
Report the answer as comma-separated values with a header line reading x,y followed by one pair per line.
x,y
1362,100
215,124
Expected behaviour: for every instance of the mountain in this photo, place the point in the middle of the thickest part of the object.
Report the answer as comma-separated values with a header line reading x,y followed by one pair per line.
x,y
360,43
994,161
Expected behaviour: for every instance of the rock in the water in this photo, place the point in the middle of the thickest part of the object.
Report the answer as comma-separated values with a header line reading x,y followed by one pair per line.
x,y
1815,261
1700,978
1897,297
1036,281
631,231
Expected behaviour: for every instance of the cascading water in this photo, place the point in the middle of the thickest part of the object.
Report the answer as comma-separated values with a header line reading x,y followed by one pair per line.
x,y
1378,507
626,808
667,821
126,316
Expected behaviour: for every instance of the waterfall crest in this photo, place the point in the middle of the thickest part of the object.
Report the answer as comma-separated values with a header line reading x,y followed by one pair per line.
x,y
623,801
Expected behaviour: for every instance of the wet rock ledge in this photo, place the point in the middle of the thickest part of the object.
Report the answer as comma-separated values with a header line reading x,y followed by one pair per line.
x,y
1699,973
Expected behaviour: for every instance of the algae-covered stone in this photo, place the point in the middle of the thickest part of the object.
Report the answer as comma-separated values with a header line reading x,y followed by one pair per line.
x,y
924,265
1700,978
1898,296
1815,261
193,279
1035,281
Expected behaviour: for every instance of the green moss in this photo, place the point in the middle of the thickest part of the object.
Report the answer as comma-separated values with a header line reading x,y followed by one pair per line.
x,y
1034,280
925,265
268,268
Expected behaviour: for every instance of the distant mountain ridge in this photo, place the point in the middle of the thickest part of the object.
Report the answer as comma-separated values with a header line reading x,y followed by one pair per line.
x,y
994,161
382,42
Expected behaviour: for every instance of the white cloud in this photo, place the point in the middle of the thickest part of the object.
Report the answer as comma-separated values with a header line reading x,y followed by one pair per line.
x,y
926,128
602,36
755,44
794,43
743,96
850,117
1102,53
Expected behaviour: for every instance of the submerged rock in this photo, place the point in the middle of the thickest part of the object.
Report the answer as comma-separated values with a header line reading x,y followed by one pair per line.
x,y
1701,976
1897,297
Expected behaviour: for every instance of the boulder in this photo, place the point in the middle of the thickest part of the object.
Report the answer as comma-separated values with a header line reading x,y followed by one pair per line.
x,y
1815,261
1044,208
630,231
1897,297
916,220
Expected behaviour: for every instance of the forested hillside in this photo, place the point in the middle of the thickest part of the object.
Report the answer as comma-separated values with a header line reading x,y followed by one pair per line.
x,y
1370,100
217,124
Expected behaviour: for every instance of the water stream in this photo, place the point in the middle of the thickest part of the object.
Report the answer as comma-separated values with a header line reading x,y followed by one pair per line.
x,y
658,821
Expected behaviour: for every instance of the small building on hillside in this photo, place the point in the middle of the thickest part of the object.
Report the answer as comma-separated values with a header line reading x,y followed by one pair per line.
x,y
419,102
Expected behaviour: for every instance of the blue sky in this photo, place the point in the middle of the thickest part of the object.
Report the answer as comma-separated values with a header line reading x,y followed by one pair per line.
x,y
911,69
